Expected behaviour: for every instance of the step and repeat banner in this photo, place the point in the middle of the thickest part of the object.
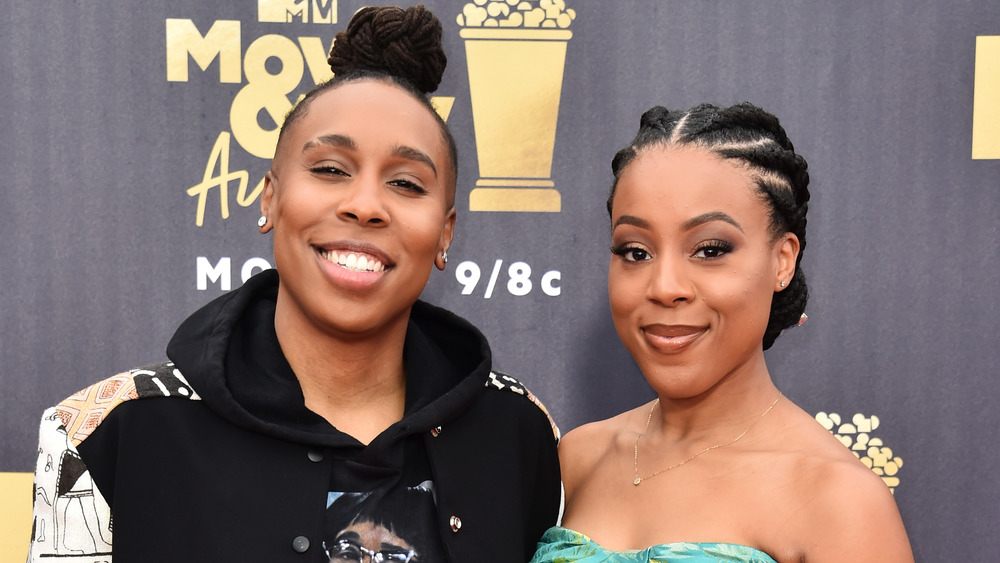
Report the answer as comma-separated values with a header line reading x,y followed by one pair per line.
x,y
136,137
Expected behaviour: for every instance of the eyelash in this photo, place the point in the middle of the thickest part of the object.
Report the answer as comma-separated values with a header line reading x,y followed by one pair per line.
x,y
719,247
409,186
405,184
328,170
627,253
710,250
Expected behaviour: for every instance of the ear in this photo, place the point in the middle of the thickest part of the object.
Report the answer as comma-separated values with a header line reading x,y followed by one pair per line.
x,y
447,235
266,197
786,253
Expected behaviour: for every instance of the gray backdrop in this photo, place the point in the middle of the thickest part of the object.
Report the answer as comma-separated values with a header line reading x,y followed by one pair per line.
x,y
100,242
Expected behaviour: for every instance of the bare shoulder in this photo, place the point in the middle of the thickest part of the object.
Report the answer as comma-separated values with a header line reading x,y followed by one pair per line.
x,y
843,511
858,517
582,449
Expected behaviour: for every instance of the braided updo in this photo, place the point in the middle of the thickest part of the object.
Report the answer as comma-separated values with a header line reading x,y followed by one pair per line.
x,y
405,44
746,133
390,44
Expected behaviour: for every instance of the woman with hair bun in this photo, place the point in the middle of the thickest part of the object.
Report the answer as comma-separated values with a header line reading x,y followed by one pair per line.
x,y
708,225
320,412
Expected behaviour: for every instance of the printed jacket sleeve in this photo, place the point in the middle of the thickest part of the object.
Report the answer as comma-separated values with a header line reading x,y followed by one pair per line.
x,y
70,516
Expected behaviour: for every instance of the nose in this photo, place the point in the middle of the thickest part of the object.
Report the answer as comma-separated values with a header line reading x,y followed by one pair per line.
x,y
364,202
669,283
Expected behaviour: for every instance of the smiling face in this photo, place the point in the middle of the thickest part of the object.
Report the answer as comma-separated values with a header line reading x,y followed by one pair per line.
x,y
694,268
359,199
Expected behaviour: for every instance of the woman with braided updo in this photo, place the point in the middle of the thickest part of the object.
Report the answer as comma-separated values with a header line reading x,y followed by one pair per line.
x,y
320,412
708,225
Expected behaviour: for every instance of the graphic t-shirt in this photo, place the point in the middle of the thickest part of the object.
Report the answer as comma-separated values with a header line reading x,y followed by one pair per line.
x,y
385,519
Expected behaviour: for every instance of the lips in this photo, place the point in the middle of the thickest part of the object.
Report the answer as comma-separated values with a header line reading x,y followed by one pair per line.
x,y
355,256
354,261
672,339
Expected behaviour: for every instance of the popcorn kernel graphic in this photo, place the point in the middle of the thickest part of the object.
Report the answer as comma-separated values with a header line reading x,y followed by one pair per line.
x,y
856,436
549,14
516,52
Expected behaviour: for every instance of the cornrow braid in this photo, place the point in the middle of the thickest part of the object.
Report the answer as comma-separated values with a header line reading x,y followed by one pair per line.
x,y
754,137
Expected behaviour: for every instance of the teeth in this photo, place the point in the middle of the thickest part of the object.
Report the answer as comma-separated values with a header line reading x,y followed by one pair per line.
x,y
354,262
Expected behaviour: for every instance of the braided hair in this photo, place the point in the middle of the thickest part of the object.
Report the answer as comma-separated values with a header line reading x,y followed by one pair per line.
x,y
746,133
394,45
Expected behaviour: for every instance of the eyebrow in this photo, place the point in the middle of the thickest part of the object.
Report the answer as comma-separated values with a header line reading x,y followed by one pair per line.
x,y
345,142
688,225
339,141
386,546
631,220
410,153
708,218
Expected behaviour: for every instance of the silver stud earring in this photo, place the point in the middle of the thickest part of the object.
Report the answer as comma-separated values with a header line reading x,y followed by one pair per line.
x,y
262,221
784,283
444,256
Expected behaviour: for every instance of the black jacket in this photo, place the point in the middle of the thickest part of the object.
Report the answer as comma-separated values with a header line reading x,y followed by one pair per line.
x,y
223,478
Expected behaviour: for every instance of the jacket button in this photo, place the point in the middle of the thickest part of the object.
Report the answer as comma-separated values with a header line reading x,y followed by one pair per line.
x,y
300,544
456,523
315,456
435,431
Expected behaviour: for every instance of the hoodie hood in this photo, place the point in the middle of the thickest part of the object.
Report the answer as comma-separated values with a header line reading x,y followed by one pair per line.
x,y
229,353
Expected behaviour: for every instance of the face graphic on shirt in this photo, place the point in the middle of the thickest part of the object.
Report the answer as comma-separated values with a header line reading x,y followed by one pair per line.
x,y
392,523
366,541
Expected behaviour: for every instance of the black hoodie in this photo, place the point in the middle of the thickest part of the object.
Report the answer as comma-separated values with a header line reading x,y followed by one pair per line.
x,y
245,472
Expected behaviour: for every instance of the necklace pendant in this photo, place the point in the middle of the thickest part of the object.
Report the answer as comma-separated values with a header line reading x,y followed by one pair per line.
x,y
637,481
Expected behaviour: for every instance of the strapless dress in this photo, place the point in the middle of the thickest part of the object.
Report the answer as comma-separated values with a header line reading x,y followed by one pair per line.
x,y
562,545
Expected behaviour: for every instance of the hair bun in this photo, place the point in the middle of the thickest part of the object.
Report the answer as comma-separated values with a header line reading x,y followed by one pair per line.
x,y
403,43
656,116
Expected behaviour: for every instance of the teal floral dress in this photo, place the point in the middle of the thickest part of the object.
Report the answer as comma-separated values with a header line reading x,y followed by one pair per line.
x,y
562,545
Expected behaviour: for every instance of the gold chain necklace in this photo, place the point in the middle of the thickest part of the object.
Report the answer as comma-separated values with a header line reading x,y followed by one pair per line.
x,y
706,450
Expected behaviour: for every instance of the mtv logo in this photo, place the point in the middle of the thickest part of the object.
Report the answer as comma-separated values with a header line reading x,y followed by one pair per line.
x,y
297,11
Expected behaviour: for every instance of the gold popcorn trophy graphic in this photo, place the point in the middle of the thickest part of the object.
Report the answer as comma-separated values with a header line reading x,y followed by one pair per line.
x,y
516,53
